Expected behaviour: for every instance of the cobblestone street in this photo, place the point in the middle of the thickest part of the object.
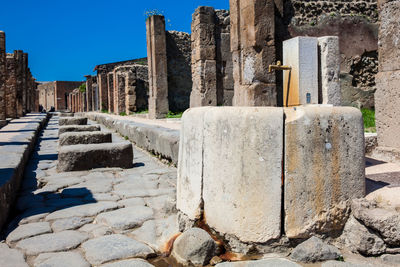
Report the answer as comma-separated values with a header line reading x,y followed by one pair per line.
x,y
103,217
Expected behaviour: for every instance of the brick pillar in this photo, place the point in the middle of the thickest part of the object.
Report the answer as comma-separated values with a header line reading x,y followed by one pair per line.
x,y
157,63
103,90
253,50
11,87
204,63
387,97
89,93
110,91
3,78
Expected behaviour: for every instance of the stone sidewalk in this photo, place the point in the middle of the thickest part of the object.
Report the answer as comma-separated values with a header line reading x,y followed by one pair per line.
x,y
103,217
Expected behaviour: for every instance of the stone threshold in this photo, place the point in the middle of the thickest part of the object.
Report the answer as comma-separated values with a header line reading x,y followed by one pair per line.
x,y
17,141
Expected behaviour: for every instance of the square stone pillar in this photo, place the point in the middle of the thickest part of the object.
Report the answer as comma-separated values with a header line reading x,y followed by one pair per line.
x,y
329,64
103,90
89,93
157,63
300,84
11,87
387,95
130,91
110,91
25,82
204,64
253,50
119,93
19,81
3,78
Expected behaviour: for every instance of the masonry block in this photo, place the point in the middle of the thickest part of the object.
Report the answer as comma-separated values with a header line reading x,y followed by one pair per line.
x,y
76,138
72,121
231,160
92,156
324,168
78,128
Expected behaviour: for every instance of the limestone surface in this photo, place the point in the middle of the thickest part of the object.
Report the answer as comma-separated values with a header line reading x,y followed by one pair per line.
x,y
128,263
324,168
11,257
126,218
28,230
61,259
260,263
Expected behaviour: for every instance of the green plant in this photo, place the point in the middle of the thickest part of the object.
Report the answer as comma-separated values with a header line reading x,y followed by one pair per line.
x,y
340,258
126,137
173,115
153,12
104,111
123,113
82,88
369,119
333,14
142,111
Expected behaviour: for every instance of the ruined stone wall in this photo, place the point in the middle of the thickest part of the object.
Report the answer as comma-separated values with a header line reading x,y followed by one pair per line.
x,y
3,78
356,25
178,46
62,89
46,95
11,87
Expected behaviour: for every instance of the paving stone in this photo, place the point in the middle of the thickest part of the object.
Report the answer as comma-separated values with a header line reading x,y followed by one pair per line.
x,y
96,230
157,233
114,247
34,214
145,192
131,202
61,241
260,263
126,218
11,257
101,197
345,264
28,230
128,263
61,259
87,210
194,246
69,223
59,203
391,259
313,250
29,201
95,186
163,205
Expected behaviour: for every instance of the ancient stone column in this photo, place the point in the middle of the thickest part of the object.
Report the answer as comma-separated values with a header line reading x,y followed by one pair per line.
x,y
119,96
103,90
89,93
329,83
157,62
19,81
387,98
253,50
11,87
110,91
204,64
130,91
3,78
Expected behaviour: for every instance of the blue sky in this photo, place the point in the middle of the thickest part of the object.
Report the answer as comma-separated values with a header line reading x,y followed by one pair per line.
x,y
66,39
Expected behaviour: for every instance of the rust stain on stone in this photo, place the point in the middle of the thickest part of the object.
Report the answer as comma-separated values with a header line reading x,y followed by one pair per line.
x,y
336,182
167,248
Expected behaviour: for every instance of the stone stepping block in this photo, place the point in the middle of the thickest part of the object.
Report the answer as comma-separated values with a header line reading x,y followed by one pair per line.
x,y
78,128
72,121
74,138
66,114
87,157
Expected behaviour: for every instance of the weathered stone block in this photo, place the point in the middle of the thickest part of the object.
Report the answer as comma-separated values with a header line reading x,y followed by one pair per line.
x,y
387,109
324,167
66,114
72,121
204,92
231,159
78,128
76,138
87,157
389,32
330,70
300,85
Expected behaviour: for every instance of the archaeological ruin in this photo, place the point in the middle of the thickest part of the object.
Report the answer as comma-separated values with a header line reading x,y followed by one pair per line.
x,y
245,142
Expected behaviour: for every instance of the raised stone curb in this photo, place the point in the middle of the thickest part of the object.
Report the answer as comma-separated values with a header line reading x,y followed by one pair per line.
x,y
68,139
87,157
17,140
158,140
78,128
72,121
